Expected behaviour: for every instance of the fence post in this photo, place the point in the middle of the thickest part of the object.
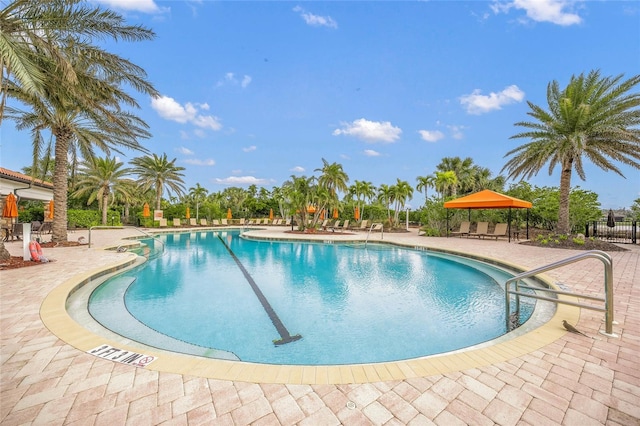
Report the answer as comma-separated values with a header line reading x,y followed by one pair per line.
x,y
586,230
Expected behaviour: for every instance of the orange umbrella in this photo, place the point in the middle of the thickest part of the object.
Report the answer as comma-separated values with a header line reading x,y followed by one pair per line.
x,y
229,213
10,207
145,210
50,209
335,213
270,214
357,213
188,214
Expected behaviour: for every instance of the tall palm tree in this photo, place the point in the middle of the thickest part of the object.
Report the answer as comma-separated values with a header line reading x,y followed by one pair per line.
x,y
446,182
332,177
198,193
158,172
401,192
385,196
87,109
103,179
593,117
424,183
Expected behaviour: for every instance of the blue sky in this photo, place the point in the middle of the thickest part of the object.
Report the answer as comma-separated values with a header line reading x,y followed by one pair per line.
x,y
254,92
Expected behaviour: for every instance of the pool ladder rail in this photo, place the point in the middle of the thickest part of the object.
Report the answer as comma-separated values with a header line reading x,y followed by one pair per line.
x,y
371,228
608,290
125,227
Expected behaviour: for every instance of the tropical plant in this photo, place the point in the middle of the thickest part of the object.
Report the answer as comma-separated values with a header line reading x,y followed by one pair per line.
x,y
401,192
446,183
102,179
424,183
84,110
385,197
198,194
158,172
593,117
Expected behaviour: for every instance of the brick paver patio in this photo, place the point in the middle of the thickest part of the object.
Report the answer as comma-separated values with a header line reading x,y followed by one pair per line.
x,y
574,380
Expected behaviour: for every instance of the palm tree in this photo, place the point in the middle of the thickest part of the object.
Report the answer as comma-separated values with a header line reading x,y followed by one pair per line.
x,y
425,182
463,171
593,117
400,193
86,109
103,179
445,183
158,172
198,193
332,177
385,195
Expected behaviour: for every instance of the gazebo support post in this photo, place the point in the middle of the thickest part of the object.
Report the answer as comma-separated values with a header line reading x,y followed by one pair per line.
x,y
527,224
509,224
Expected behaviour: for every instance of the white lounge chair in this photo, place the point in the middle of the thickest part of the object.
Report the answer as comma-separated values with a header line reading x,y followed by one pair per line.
x,y
193,222
335,226
176,222
203,222
223,222
364,225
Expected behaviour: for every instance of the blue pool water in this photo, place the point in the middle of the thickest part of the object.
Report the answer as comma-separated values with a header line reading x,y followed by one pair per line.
x,y
349,304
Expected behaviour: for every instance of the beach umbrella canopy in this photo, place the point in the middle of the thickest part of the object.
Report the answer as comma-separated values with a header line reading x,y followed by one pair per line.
x,y
270,214
145,210
229,213
611,219
357,213
10,209
50,209
188,214
335,213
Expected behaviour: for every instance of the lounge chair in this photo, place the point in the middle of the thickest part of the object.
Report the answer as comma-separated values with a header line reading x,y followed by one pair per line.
x,y
193,222
499,231
162,222
345,225
324,224
35,225
335,226
377,227
288,222
464,229
223,222
242,221
176,222
363,225
203,222
481,230
216,222
249,222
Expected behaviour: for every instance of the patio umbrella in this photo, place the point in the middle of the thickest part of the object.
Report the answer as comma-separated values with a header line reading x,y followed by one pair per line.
x,y
611,219
188,214
270,214
335,213
145,210
229,213
50,209
357,213
10,209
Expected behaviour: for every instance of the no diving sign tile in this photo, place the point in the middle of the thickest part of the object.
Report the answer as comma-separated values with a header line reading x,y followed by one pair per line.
x,y
122,356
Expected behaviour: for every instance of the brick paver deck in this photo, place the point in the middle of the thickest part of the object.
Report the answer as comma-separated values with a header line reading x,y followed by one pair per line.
x,y
572,380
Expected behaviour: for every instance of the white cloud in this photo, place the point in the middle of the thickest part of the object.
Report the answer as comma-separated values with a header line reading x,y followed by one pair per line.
x,y
230,78
146,6
431,135
371,153
316,20
241,180
558,12
297,169
250,148
199,162
456,131
477,104
184,150
370,131
169,109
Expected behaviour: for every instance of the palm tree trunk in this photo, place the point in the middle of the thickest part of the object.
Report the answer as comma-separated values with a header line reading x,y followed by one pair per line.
x,y
60,185
565,189
4,253
105,208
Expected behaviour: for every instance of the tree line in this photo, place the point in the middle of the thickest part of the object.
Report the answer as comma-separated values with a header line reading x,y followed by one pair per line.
x,y
68,87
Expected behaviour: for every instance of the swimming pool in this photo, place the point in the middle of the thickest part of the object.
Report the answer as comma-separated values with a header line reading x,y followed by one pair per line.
x,y
349,304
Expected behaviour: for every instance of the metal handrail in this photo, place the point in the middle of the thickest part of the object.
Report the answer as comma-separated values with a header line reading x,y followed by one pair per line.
x,y
124,227
608,288
369,233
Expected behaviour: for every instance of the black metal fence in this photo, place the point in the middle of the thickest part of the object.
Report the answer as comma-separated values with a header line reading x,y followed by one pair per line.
x,y
622,232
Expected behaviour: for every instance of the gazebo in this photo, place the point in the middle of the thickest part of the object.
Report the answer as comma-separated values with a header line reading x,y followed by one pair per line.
x,y
488,199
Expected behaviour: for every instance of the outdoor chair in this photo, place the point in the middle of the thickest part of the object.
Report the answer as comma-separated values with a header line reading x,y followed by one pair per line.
x,y
193,222
481,230
464,229
176,222
499,231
